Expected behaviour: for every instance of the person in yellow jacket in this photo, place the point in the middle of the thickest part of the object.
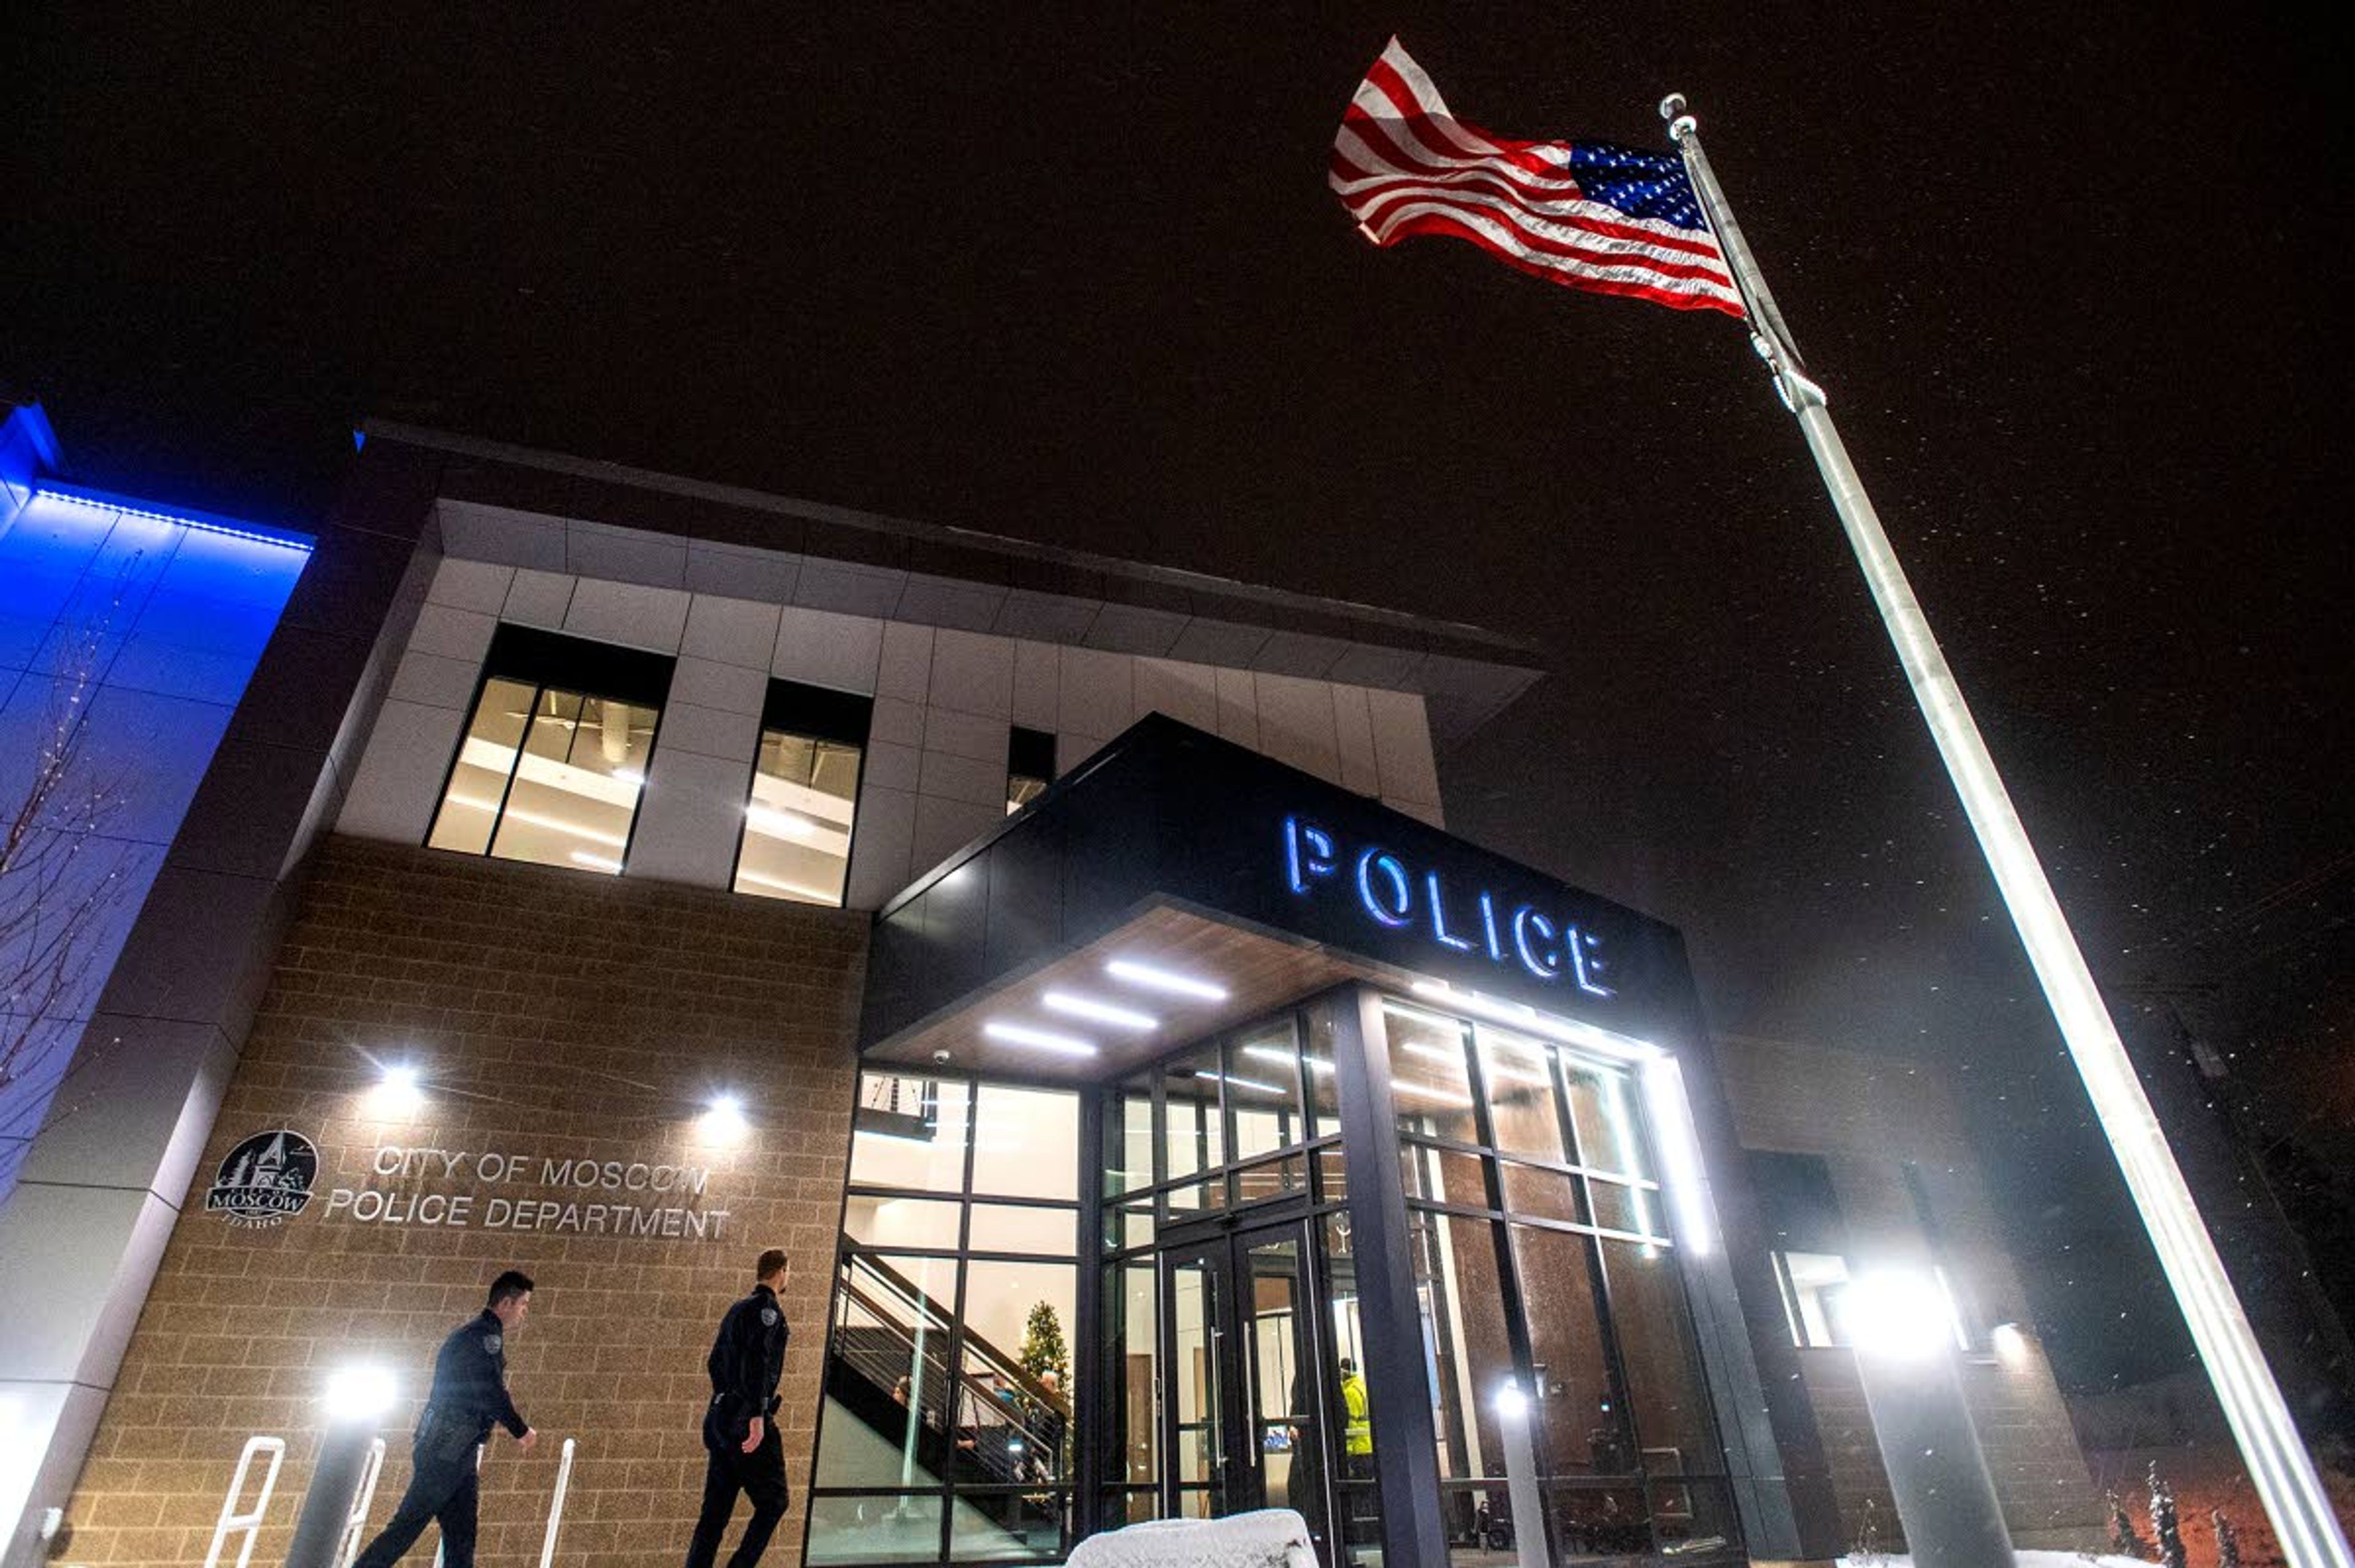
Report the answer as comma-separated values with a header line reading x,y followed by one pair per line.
x,y
1358,1425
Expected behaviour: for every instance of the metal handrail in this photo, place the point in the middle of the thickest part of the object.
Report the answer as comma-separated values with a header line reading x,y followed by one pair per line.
x,y
250,1523
972,1393
356,1521
914,1295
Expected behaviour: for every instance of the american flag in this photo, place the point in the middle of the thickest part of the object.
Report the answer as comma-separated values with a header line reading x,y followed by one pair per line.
x,y
1584,214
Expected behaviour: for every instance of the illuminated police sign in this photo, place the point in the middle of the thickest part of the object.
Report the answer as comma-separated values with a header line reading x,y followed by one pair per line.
x,y
1403,898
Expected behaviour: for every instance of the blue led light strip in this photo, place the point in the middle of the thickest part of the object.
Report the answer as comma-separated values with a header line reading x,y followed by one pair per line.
x,y
197,522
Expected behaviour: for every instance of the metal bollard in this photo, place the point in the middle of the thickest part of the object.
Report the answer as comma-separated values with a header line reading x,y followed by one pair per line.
x,y
556,1505
325,1524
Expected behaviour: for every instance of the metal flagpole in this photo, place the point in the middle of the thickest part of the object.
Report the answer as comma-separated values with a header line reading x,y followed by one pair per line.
x,y
2278,1461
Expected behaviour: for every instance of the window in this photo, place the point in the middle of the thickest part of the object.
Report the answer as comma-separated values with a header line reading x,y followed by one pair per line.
x,y
1815,1286
1533,1207
1030,766
797,823
946,1429
554,760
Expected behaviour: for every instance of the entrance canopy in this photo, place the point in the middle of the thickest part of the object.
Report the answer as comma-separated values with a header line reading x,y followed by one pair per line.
x,y
1175,883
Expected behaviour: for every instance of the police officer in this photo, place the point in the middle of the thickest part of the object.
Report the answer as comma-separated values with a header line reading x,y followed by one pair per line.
x,y
470,1392
739,1427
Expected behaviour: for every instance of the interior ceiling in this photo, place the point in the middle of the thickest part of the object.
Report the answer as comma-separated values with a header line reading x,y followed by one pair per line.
x,y
1258,972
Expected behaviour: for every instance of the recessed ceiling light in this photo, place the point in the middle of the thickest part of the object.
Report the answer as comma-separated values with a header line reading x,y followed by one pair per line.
x,y
1100,1012
1153,978
1044,1039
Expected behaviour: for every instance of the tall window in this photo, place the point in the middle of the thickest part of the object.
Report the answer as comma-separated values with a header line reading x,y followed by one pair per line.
x,y
554,759
1542,1258
805,797
1030,766
945,1434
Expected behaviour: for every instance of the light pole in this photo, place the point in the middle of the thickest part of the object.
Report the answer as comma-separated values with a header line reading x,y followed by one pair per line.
x,y
355,1401
1521,1476
1904,1330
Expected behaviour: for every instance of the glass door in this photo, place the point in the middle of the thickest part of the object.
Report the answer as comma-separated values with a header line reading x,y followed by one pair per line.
x,y
1197,1286
1244,1431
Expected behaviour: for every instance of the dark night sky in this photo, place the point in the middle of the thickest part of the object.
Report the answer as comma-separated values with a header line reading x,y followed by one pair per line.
x,y
2073,276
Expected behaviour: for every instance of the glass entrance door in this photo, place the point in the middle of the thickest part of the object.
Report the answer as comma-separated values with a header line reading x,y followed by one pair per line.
x,y
1244,1431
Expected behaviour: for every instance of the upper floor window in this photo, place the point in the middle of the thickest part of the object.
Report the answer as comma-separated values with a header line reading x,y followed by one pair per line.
x,y
554,760
805,799
1030,766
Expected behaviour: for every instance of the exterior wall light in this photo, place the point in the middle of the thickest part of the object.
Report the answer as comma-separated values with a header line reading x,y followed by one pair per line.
x,y
2011,1346
723,1120
398,1092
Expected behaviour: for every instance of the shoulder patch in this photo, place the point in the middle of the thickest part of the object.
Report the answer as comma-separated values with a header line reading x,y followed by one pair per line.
x,y
490,1343
768,1316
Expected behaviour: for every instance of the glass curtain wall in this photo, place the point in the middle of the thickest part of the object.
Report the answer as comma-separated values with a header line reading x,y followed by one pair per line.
x,y
1542,1262
946,1432
1229,1361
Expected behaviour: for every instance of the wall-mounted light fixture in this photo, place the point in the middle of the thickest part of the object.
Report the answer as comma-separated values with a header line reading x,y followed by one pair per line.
x,y
723,1119
398,1092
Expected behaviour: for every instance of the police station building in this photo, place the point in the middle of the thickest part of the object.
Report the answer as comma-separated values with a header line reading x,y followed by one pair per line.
x,y
534,863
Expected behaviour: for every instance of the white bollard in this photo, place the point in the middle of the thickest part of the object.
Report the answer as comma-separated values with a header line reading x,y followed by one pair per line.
x,y
556,1506
248,1523
357,1524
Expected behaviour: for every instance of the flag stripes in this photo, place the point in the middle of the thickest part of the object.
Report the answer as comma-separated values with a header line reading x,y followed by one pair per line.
x,y
1403,165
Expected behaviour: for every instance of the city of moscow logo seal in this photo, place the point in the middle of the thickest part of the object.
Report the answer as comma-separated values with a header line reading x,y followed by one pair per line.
x,y
265,1181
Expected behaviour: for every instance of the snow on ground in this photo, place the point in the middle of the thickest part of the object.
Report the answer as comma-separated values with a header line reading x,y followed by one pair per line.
x,y
2027,1560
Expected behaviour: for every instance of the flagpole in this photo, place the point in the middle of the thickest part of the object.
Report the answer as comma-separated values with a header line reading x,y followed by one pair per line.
x,y
2279,1461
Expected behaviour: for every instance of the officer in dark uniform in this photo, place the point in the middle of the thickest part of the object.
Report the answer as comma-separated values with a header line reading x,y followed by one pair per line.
x,y
470,1393
739,1427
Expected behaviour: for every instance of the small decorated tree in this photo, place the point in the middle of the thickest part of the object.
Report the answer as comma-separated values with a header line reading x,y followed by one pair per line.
x,y
2163,1523
1044,1352
1043,1349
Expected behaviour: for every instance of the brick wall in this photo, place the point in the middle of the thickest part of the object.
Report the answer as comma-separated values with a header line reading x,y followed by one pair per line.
x,y
1865,1116
558,1017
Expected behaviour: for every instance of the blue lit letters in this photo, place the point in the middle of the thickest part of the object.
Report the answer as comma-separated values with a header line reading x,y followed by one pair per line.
x,y
1394,898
